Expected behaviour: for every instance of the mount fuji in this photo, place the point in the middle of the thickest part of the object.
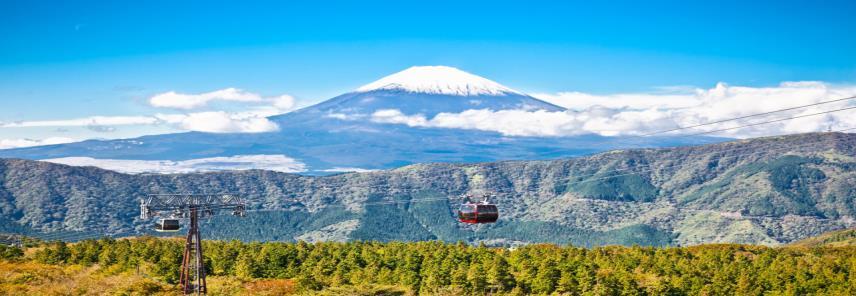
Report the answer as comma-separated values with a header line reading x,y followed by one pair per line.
x,y
344,134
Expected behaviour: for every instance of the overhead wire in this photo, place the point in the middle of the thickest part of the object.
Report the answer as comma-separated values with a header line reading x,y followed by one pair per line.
x,y
577,182
773,121
730,128
406,201
389,202
403,201
52,236
771,145
748,116
76,237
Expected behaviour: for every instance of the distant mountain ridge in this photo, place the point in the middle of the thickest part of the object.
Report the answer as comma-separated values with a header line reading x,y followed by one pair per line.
x,y
770,191
345,134
838,238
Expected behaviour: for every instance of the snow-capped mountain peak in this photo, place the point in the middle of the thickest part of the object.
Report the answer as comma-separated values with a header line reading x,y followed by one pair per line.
x,y
438,80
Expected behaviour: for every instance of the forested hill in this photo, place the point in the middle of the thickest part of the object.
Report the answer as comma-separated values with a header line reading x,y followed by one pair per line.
x,y
766,191
838,238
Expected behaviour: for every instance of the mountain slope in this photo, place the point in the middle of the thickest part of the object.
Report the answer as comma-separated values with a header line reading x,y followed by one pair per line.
x,y
769,191
838,238
343,133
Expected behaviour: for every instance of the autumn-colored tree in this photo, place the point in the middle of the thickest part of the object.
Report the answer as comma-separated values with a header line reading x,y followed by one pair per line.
x,y
439,268
246,266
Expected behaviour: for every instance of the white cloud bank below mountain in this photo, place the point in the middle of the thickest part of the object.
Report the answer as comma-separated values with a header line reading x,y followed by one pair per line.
x,y
271,162
210,121
251,116
637,114
21,143
176,100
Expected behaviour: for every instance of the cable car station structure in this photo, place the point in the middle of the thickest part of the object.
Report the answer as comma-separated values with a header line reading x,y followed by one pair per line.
x,y
192,207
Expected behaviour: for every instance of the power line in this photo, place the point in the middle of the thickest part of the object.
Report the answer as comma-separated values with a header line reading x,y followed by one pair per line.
x,y
772,121
759,123
697,156
627,139
603,172
748,116
715,122
676,164
627,174
74,237
61,236
388,202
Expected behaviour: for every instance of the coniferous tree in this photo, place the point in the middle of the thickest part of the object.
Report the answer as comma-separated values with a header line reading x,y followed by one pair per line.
x,y
459,277
437,268
498,275
477,278
246,266
567,282
546,278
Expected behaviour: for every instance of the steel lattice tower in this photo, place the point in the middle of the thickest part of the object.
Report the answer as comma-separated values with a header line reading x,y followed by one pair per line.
x,y
194,207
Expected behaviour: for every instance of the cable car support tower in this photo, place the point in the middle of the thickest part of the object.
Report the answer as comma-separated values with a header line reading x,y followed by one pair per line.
x,y
192,207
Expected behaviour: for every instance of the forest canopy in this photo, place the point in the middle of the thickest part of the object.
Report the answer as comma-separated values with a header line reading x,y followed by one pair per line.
x,y
461,269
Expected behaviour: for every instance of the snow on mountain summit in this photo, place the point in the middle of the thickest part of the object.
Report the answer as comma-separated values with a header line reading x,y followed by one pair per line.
x,y
438,80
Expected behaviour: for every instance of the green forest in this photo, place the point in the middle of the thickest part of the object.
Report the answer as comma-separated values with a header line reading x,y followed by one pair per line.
x,y
437,268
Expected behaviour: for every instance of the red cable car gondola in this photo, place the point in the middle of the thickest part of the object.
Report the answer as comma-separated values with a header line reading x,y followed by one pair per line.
x,y
478,213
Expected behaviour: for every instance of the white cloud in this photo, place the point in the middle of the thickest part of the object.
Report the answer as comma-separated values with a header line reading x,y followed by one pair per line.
x,y
251,118
222,122
395,116
345,116
634,114
283,102
20,143
527,123
347,170
101,128
177,100
280,163
87,121
582,101
214,121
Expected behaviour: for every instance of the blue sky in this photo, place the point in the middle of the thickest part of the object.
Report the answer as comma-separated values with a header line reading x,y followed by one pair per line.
x,y
73,59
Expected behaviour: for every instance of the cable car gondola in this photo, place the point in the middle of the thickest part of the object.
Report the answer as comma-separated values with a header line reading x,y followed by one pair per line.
x,y
478,213
167,225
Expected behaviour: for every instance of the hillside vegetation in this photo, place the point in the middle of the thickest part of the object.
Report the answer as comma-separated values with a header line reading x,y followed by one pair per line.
x,y
148,266
760,191
840,238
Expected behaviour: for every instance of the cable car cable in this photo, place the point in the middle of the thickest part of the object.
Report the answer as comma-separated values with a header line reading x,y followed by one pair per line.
x,y
768,146
613,176
582,181
748,116
772,121
631,137
601,178
606,177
